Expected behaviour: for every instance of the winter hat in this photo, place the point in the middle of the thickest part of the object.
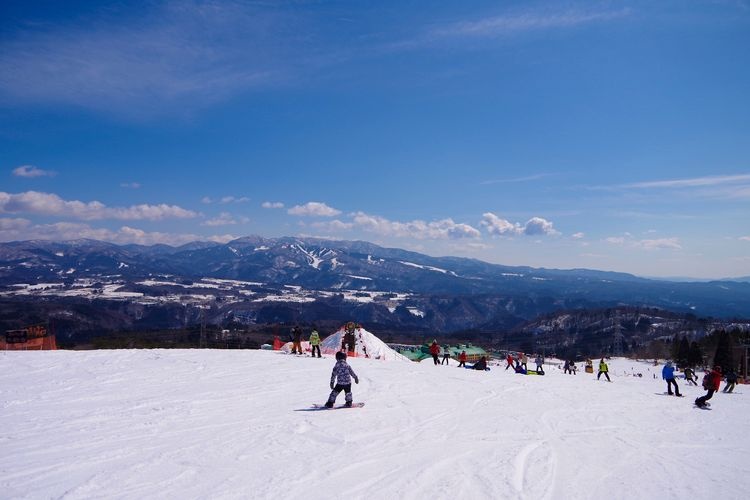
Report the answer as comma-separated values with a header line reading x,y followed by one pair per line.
x,y
340,356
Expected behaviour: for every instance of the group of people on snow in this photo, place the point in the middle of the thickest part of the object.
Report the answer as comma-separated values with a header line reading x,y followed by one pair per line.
x,y
296,337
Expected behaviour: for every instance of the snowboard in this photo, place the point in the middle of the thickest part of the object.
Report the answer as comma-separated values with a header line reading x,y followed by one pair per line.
x,y
338,407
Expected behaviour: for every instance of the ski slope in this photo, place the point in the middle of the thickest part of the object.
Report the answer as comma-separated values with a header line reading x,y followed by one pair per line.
x,y
221,424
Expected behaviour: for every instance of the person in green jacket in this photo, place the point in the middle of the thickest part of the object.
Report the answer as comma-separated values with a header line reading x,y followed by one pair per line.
x,y
603,368
315,342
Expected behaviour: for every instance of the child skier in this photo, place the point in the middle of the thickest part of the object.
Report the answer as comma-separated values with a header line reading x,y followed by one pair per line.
x,y
342,375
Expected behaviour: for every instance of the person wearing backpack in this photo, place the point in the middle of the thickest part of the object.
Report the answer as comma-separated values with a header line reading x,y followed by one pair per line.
x,y
711,382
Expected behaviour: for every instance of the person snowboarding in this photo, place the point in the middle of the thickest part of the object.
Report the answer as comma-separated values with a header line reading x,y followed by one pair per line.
x,y
731,381
341,380
296,340
481,364
435,350
690,376
603,368
509,359
462,359
667,373
315,342
446,356
711,382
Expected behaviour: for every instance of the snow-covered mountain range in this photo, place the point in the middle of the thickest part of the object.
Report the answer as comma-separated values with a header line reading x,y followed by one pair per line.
x,y
257,280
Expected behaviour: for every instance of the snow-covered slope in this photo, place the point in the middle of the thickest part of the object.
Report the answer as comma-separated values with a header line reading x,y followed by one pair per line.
x,y
224,424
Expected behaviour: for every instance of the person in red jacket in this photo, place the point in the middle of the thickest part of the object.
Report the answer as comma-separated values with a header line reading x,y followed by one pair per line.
x,y
509,359
712,385
462,359
435,351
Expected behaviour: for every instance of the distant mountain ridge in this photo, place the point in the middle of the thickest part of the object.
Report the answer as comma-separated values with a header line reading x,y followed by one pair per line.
x,y
333,266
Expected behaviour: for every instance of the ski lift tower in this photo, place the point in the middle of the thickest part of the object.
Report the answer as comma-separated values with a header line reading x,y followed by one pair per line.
x,y
618,339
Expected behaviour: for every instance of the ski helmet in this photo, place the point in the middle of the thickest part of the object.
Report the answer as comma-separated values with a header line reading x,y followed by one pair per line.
x,y
340,356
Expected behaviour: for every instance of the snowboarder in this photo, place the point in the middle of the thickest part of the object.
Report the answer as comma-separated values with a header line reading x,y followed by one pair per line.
x,y
509,359
731,380
341,379
690,376
711,382
481,364
296,340
446,356
603,368
566,367
315,342
667,373
539,361
462,359
435,350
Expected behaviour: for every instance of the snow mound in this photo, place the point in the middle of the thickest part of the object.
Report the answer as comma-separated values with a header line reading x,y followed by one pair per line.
x,y
367,345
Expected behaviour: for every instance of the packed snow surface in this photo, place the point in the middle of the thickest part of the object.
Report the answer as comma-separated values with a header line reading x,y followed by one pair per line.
x,y
233,424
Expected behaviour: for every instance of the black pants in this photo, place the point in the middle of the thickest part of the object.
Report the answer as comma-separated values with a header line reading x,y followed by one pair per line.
x,y
435,359
605,374
671,381
445,359
336,390
463,363
729,387
701,401
691,381
313,350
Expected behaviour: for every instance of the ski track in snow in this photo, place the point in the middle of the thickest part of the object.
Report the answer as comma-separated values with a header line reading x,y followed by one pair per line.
x,y
221,424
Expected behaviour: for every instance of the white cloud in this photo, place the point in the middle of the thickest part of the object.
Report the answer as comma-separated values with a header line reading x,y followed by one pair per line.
x,y
578,236
272,204
224,219
503,227
130,185
713,180
646,244
745,238
232,199
206,200
62,231
33,202
313,208
506,25
442,229
32,171
13,224
334,225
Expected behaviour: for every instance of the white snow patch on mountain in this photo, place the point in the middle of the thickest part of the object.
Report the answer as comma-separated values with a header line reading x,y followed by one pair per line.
x,y
416,312
428,268
358,277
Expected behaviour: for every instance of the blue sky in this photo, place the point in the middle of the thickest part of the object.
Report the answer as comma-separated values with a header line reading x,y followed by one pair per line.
x,y
607,135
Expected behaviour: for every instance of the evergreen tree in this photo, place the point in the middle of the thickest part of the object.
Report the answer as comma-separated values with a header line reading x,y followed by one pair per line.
x,y
723,356
695,356
683,352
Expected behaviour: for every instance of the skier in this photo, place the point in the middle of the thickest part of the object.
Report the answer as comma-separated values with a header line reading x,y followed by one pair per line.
x,y
603,368
446,356
690,376
342,375
462,359
667,373
731,380
711,382
435,350
509,359
296,340
315,342
539,361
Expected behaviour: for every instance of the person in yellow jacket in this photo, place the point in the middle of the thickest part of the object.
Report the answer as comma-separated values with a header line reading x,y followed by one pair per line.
x,y
603,368
315,342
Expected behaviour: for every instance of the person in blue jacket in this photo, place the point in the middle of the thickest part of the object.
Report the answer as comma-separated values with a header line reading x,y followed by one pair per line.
x,y
667,373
